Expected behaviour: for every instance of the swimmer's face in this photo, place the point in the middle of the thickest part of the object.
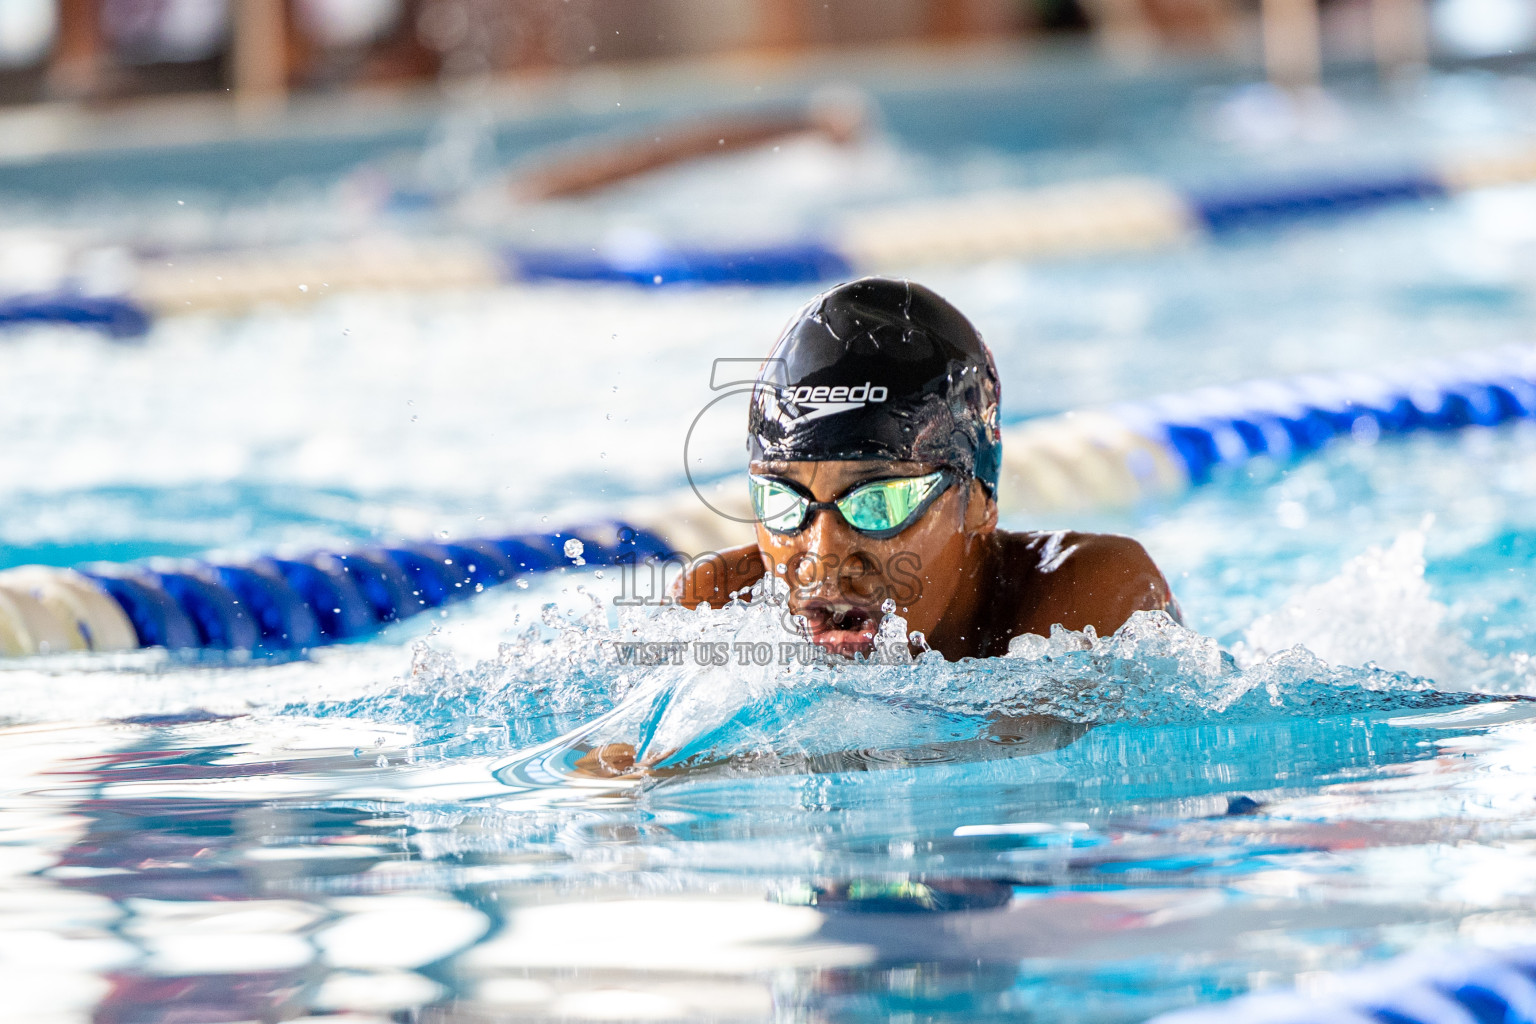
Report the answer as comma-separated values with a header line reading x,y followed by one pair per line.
x,y
839,578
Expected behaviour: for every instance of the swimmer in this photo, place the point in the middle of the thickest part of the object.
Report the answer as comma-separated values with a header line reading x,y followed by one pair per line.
x,y
875,452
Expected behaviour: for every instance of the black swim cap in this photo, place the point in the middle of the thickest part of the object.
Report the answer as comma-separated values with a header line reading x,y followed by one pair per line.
x,y
879,369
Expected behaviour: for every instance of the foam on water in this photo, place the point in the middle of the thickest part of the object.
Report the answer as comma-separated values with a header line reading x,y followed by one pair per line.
x,y
1378,609
563,684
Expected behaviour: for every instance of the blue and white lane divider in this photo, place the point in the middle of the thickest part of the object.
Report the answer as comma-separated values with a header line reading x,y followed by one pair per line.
x,y
1060,220
1446,987
1128,453
279,606
117,317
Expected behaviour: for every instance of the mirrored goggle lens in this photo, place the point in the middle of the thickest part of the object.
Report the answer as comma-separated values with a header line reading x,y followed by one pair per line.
x,y
887,505
777,507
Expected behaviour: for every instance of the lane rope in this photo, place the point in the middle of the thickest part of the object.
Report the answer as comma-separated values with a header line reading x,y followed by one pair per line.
x,y
1068,219
281,606
1137,451
1464,986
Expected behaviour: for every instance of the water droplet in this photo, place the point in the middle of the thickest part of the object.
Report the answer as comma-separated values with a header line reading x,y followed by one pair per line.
x,y
303,287
382,762
443,534
414,417
598,574
656,279
346,331
181,202
543,519
888,606
522,584
602,455
573,549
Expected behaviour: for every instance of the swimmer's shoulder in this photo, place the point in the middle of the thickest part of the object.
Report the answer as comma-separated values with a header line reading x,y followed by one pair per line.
x,y
1077,579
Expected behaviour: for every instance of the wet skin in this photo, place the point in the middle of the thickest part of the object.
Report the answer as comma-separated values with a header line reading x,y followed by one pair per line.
x,y
966,586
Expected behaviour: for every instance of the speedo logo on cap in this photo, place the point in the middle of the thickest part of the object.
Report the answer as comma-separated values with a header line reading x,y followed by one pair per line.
x,y
822,400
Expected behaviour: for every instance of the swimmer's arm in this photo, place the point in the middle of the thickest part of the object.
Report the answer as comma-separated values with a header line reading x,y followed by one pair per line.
x,y
1102,583
616,161
715,577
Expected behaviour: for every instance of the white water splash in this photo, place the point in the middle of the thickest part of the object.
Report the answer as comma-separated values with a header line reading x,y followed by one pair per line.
x,y
563,686
1377,610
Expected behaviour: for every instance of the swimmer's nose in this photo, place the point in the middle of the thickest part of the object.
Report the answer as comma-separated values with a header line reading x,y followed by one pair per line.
x,y
827,534
831,542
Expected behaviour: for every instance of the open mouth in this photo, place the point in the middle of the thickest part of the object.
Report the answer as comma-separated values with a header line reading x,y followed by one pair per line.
x,y
841,628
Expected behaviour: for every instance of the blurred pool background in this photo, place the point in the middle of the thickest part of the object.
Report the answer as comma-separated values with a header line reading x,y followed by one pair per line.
x,y
392,830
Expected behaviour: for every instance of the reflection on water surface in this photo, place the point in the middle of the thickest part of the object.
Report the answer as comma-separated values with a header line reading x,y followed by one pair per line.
x,y
210,869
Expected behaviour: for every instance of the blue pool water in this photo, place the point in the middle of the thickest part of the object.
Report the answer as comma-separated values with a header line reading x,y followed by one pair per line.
x,y
1330,766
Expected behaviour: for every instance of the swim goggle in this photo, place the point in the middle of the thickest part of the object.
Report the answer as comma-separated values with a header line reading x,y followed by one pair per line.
x,y
876,508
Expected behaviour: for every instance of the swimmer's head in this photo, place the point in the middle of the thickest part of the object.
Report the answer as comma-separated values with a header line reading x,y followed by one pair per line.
x,y
875,455
879,370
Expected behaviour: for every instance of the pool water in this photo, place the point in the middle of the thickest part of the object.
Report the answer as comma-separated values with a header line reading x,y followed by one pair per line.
x,y
1331,765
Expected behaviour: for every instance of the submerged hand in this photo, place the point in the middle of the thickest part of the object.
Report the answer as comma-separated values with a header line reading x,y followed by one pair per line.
x,y
617,761
608,761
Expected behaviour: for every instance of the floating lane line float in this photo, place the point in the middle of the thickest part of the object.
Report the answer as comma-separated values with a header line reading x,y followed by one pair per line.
x,y
230,281
1119,456
1447,987
1072,219
119,317
280,606
1138,451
